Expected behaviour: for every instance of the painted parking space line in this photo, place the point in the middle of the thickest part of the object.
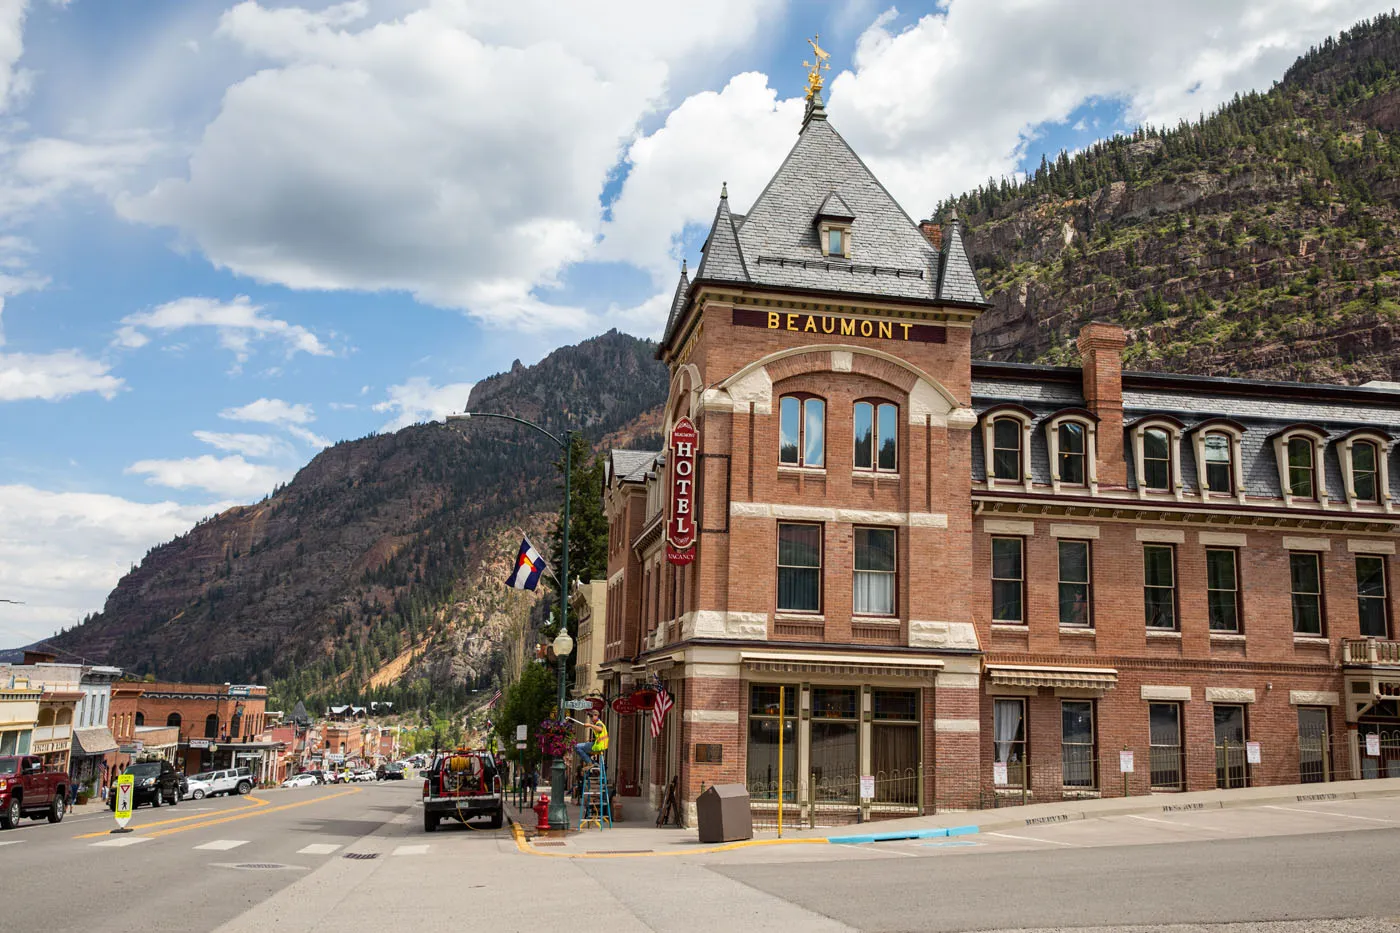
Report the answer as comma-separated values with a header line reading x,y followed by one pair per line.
x,y
1177,825
1345,816
117,842
318,848
223,845
411,850
1050,842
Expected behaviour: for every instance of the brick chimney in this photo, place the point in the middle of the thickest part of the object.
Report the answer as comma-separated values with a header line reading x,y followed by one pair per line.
x,y
932,232
1101,356
38,656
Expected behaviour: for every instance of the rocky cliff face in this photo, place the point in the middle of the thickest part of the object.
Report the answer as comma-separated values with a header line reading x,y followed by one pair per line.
x,y
379,567
1260,241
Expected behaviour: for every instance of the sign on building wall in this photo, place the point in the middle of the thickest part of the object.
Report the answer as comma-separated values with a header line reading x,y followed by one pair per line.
x,y
680,530
802,322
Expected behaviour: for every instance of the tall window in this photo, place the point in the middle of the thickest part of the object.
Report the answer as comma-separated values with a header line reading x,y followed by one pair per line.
x,y
1074,583
1156,459
1219,471
1009,738
874,576
1363,471
1072,448
1223,589
1231,760
1305,572
799,568
173,720
802,431
763,777
1008,579
1006,449
834,244
1159,585
1164,732
1371,601
876,436
835,743
1077,742
1301,482
1314,760
211,726
894,737
140,719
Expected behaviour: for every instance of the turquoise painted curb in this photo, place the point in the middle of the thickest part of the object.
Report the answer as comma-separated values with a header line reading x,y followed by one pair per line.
x,y
907,834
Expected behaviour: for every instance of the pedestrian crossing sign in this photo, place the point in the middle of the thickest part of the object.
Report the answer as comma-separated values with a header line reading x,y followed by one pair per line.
x,y
126,785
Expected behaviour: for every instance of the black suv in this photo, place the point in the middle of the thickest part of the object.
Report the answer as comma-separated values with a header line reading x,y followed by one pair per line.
x,y
157,782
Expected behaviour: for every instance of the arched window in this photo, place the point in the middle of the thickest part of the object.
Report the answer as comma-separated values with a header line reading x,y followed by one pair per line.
x,y
1156,459
65,717
1298,450
1302,471
140,719
211,726
802,431
173,720
1220,471
1006,449
1365,463
1073,448
1006,440
876,436
1156,442
45,717
1365,456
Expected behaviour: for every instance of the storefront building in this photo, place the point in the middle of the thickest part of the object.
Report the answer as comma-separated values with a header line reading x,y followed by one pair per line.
x,y
939,581
215,722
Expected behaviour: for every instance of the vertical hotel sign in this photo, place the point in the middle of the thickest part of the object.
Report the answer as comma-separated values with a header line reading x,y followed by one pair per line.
x,y
680,530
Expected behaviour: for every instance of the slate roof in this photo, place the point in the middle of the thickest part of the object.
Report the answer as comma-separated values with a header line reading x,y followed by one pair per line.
x,y
1336,411
678,302
631,466
776,243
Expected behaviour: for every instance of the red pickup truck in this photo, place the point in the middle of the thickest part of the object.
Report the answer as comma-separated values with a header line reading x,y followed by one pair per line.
x,y
28,789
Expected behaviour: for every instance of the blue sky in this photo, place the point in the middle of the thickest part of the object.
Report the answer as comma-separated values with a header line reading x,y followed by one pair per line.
x,y
232,232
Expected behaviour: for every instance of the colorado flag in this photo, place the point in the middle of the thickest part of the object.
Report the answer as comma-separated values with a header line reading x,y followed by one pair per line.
x,y
529,564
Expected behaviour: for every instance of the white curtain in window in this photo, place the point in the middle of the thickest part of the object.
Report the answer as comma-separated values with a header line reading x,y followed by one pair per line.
x,y
874,593
1007,725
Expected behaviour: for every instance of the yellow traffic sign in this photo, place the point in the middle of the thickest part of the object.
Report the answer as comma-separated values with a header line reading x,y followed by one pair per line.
x,y
126,787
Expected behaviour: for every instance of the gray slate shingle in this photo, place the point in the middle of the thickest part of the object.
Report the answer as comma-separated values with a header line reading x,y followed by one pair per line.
x,y
957,282
631,465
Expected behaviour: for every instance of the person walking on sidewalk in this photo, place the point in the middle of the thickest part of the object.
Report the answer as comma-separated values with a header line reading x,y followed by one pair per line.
x,y
597,744
532,780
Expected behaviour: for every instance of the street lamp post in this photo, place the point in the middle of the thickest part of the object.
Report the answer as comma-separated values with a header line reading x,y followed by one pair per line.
x,y
558,814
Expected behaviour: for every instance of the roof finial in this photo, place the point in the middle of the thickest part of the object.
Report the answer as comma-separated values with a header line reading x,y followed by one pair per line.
x,y
953,215
724,190
815,67
682,267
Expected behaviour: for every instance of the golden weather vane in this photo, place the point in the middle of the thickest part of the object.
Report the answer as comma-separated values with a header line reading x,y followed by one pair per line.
x,y
815,68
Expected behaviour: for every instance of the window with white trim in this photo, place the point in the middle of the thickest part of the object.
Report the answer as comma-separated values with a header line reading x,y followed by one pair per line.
x,y
1220,470
1072,453
1365,459
1302,468
1305,576
1006,448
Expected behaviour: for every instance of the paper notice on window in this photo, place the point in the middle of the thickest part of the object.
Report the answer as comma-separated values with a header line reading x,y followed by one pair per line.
x,y
1373,745
999,774
1252,753
867,787
1125,762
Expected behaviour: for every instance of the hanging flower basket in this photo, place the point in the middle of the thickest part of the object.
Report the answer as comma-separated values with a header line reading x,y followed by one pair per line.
x,y
555,738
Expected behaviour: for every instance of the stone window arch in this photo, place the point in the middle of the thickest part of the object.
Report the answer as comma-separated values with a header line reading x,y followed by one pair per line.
x,y
1071,437
1156,441
1006,445
1298,450
1365,457
174,719
1218,448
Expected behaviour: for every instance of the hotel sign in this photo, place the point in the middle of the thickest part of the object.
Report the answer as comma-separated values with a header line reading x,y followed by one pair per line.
x,y
680,530
799,322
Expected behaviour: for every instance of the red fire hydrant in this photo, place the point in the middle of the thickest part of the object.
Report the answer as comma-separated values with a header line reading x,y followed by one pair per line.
x,y
541,809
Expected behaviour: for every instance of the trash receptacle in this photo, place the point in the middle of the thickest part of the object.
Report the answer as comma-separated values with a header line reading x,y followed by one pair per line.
x,y
722,813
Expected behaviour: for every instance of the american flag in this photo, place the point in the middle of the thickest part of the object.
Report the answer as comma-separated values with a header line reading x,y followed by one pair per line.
x,y
658,710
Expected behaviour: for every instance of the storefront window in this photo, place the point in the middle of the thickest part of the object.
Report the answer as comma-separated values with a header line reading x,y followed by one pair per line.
x,y
835,751
1009,739
762,776
895,746
1077,742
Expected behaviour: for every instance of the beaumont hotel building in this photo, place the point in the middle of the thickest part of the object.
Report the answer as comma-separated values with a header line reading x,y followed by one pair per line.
x,y
980,583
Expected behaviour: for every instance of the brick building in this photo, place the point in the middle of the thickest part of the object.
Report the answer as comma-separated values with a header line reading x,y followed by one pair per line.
x,y
220,725
970,580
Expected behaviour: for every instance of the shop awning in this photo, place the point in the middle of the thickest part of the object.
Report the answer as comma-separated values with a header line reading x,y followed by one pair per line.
x,y
1081,678
97,740
840,665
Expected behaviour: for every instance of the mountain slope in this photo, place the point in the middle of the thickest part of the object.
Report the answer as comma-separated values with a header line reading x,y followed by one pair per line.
x,y
1259,241
381,561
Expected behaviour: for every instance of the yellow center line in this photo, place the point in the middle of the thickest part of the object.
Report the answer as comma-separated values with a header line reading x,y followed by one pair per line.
x,y
248,803
258,812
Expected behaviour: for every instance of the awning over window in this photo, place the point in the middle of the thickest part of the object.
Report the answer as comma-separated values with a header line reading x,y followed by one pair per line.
x,y
95,741
840,665
1082,678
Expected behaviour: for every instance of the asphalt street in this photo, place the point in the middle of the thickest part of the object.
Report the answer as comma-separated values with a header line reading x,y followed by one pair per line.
x,y
356,858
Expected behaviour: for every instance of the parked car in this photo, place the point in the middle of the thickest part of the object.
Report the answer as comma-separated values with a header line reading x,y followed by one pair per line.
x,y
463,785
198,787
363,775
156,782
300,780
227,781
393,771
27,788
319,775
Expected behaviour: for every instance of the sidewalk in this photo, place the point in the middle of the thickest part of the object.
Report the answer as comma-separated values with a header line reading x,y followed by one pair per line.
x,y
636,838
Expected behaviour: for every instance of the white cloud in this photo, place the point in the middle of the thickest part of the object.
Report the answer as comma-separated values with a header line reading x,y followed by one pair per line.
x,y
457,152
62,552
238,323
310,437
224,476
249,445
13,82
271,411
417,400
54,376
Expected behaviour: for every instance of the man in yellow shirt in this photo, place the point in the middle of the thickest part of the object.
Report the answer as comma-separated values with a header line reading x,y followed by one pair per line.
x,y
595,745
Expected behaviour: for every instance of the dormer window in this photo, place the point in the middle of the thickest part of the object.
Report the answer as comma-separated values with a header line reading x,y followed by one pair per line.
x,y
1071,441
1365,456
1302,479
1217,448
833,221
1156,441
1298,451
1072,450
1006,444
1363,471
1217,445
835,246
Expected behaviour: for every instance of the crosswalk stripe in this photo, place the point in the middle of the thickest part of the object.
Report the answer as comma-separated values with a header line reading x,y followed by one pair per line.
x,y
119,841
223,845
411,850
10,842
318,848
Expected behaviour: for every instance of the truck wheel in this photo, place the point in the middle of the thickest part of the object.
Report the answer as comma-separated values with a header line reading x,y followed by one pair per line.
x,y
155,799
430,821
56,810
244,787
11,817
497,817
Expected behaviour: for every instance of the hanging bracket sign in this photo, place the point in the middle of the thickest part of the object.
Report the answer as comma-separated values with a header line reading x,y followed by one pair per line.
x,y
680,530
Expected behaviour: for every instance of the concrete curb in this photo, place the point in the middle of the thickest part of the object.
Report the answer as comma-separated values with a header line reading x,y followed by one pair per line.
x,y
523,844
